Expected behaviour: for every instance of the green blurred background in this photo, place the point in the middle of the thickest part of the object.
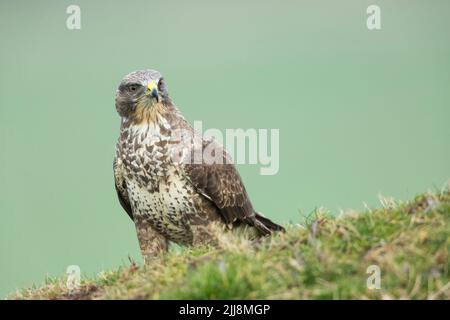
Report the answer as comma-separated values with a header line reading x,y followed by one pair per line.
x,y
360,112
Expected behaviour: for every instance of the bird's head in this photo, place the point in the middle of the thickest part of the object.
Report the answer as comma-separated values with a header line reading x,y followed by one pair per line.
x,y
141,92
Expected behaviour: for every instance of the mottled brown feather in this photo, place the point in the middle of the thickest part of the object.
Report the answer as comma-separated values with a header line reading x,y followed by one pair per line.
x,y
222,184
121,190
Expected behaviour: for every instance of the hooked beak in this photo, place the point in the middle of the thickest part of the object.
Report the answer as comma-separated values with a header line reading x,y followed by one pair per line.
x,y
153,90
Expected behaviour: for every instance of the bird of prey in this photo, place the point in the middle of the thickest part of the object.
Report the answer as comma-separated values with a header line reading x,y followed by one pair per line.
x,y
166,191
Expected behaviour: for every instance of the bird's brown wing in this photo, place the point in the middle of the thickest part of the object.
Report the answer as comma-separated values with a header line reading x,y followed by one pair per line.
x,y
121,188
222,184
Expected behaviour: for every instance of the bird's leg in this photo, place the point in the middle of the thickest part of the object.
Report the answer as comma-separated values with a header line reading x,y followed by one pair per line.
x,y
151,242
206,234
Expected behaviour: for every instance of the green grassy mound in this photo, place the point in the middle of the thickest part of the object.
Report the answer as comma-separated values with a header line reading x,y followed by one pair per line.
x,y
325,258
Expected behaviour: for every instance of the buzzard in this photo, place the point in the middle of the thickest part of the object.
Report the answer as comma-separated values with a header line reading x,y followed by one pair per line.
x,y
160,182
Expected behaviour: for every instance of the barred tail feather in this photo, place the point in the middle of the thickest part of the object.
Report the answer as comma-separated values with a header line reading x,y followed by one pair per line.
x,y
265,225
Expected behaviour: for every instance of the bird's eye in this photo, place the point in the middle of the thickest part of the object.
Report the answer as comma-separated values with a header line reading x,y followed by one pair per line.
x,y
132,87
161,84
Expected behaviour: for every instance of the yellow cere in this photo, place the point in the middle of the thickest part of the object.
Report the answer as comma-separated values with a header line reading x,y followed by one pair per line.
x,y
151,85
